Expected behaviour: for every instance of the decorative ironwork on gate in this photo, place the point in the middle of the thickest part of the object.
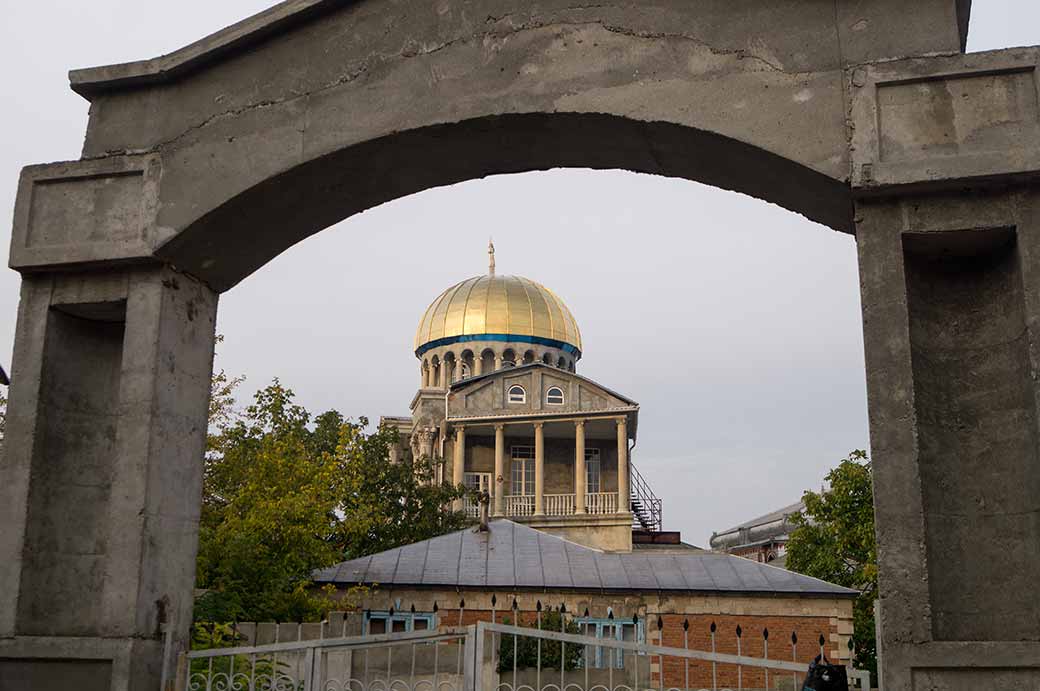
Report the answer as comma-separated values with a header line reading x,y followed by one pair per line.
x,y
490,656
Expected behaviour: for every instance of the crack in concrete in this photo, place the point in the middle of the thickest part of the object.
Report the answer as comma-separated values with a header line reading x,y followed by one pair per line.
x,y
410,51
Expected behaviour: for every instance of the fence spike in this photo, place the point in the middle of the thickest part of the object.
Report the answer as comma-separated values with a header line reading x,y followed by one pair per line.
x,y
515,605
713,627
539,606
413,608
563,608
765,634
586,612
823,640
494,600
686,625
610,614
660,623
462,603
794,637
740,631
635,619
391,611
435,607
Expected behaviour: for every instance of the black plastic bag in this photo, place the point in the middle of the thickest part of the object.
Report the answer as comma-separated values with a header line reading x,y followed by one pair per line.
x,y
823,676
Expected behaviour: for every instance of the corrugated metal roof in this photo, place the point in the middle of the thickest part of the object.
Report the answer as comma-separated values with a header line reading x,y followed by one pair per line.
x,y
511,555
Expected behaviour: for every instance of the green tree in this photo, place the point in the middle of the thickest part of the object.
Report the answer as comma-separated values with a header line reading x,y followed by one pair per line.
x,y
530,650
835,541
285,493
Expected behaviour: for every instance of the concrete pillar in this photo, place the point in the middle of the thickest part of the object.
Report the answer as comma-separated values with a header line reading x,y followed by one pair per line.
x,y
459,464
580,480
425,376
442,374
539,469
622,466
498,361
500,469
478,365
950,293
108,417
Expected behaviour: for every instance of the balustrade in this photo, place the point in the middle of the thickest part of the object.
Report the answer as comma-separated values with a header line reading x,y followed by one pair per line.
x,y
601,502
559,504
520,505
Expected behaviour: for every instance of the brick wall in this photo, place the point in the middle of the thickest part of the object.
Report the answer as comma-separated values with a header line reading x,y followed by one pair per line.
x,y
807,628
752,644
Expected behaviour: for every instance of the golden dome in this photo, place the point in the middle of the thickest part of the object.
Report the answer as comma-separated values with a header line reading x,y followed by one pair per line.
x,y
498,308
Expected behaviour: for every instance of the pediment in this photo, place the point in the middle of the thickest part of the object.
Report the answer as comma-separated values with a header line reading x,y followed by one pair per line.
x,y
488,395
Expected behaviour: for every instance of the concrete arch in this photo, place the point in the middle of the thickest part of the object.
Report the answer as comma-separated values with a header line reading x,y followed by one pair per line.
x,y
201,166
542,87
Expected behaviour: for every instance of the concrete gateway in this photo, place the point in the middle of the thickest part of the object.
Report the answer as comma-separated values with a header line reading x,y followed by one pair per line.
x,y
200,166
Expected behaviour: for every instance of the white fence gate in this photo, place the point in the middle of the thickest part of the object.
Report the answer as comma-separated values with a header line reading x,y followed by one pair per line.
x,y
482,657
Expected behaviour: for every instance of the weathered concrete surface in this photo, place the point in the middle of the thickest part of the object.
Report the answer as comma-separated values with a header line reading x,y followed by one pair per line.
x,y
201,166
921,122
950,303
375,100
102,473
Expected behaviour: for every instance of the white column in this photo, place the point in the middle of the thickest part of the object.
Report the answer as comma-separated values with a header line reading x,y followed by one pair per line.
x,y
622,466
478,365
498,362
579,467
500,469
539,469
459,466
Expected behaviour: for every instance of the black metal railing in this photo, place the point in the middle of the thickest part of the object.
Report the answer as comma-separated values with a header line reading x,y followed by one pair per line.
x,y
646,506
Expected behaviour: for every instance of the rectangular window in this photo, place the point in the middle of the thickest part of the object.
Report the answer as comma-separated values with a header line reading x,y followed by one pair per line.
x,y
382,622
592,471
522,470
478,482
602,657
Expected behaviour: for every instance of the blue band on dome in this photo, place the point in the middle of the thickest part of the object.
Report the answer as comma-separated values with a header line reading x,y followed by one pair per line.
x,y
501,338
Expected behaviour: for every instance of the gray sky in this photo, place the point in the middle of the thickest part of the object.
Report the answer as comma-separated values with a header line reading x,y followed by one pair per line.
x,y
749,371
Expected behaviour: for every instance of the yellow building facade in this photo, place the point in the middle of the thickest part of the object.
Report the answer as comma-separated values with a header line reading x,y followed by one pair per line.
x,y
501,408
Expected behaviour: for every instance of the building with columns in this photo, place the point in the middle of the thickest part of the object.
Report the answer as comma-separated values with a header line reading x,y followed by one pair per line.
x,y
501,408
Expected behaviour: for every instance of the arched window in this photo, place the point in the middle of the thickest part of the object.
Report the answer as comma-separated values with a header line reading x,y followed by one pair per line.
x,y
554,396
517,394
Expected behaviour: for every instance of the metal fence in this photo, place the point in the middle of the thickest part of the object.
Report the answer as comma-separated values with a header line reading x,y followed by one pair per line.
x,y
487,657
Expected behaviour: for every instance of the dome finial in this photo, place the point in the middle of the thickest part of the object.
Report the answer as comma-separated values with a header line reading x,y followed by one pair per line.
x,y
491,257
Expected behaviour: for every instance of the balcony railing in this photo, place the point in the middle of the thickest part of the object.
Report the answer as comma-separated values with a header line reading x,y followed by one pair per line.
x,y
559,504
471,507
519,504
601,502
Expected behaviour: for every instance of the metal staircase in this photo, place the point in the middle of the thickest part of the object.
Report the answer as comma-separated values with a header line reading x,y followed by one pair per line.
x,y
645,505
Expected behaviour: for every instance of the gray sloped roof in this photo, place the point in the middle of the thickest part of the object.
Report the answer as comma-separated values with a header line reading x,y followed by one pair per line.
x,y
511,555
770,517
